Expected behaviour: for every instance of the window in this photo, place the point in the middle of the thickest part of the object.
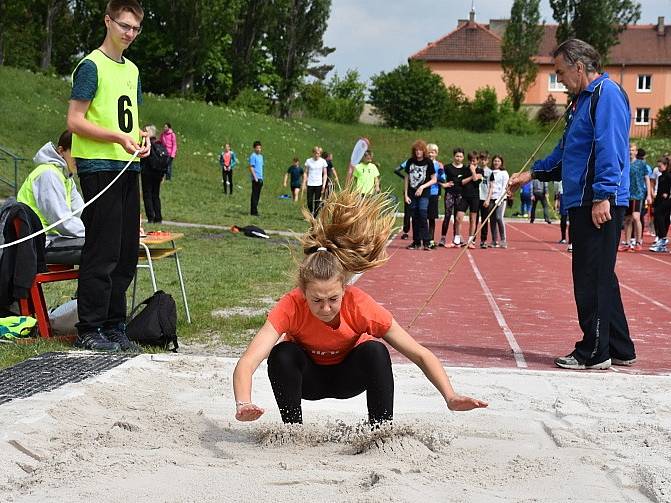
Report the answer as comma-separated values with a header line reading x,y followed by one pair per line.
x,y
644,84
642,116
554,84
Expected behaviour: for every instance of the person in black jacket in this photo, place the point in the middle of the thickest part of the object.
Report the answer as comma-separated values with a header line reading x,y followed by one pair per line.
x,y
153,170
19,263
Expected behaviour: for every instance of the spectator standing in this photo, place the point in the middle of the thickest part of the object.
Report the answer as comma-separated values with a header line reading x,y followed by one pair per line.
x,y
295,172
454,172
331,175
255,165
420,176
227,160
366,176
314,180
662,205
400,171
525,200
470,198
640,192
169,141
498,183
154,168
539,193
483,193
434,193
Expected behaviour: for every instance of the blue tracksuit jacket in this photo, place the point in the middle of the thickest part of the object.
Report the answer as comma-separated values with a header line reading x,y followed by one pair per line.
x,y
592,159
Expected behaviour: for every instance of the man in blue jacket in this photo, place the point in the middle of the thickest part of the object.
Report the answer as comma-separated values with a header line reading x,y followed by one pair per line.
x,y
592,161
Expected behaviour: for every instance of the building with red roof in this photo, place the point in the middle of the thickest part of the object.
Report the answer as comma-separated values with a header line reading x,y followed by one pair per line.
x,y
470,58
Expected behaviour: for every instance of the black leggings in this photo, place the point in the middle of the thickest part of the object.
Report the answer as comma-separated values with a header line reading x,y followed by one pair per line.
x,y
563,225
293,375
314,194
227,178
662,216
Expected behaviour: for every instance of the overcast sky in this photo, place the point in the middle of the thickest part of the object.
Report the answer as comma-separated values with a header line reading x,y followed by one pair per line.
x,y
372,36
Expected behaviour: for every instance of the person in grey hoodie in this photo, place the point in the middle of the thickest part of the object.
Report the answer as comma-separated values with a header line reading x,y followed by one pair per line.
x,y
51,192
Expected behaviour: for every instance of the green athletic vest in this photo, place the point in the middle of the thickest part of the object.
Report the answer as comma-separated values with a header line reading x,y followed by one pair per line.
x,y
26,195
114,107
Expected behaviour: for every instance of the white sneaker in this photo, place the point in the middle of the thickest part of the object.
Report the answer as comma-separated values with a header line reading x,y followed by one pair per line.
x,y
569,248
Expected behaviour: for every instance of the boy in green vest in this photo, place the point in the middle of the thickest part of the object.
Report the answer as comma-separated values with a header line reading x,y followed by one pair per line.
x,y
51,193
103,116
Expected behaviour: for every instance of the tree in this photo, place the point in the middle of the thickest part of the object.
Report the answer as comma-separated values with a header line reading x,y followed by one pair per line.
x,y
484,112
597,22
54,9
246,52
454,113
520,44
663,122
341,100
548,113
403,96
295,40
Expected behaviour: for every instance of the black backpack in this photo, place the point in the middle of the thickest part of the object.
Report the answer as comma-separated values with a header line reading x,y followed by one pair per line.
x,y
159,159
156,324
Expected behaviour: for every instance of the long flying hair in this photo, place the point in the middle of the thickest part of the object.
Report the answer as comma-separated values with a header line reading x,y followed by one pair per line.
x,y
348,236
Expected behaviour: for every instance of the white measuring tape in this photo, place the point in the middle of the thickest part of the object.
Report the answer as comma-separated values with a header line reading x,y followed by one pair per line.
x,y
76,212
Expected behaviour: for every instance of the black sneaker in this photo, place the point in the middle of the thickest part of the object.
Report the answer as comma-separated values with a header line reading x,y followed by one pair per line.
x,y
118,335
404,235
96,341
413,246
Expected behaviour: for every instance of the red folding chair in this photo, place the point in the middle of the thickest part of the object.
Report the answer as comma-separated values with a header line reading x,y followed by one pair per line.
x,y
35,305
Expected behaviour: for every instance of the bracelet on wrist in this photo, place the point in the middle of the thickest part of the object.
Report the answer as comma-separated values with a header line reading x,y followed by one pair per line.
x,y
241,404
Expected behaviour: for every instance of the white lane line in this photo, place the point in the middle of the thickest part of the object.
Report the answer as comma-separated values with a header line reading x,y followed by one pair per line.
x,y
622,285
517,351
654,258
652,301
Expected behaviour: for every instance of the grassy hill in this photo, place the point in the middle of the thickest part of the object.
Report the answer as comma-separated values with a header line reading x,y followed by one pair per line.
x,y
33,107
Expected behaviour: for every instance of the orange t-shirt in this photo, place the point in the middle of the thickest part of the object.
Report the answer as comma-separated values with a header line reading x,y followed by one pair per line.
x,y
361,319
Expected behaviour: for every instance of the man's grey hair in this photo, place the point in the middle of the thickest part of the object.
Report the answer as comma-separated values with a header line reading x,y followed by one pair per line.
x,y
575,50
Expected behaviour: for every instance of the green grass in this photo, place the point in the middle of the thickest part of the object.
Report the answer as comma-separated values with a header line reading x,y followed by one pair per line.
x,y
223,270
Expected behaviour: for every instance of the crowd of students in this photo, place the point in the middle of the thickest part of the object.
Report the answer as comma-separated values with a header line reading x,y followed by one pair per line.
x,y
649,190
472,188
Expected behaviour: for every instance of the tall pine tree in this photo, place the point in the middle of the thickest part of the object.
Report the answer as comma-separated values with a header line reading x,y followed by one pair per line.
x,y
597,22
520,44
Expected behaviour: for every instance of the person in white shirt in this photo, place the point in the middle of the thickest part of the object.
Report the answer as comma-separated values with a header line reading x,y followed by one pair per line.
x,y
498,181
314,180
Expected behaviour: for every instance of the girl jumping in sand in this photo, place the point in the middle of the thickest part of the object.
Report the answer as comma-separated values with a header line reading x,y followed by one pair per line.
x,y
322,338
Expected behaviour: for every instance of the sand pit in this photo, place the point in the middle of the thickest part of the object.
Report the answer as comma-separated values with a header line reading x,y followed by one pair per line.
x,y
161,429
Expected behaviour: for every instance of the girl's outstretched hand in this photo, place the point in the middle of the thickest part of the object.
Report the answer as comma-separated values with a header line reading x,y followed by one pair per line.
x,y
461,403
248,412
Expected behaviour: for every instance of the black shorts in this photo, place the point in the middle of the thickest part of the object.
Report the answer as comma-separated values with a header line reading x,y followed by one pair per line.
x,y
470,203
294,187
634,206
433,207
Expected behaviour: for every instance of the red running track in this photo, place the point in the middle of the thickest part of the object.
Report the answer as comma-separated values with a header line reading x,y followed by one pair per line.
x,y
515,307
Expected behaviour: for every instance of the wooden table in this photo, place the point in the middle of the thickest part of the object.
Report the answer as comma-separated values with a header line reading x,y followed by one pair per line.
x,y
157,246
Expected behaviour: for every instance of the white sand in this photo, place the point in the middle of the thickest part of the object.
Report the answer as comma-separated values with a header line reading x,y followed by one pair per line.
x,y
161,429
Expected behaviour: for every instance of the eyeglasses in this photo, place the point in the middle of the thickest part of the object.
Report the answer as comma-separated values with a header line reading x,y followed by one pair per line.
x,y
126,27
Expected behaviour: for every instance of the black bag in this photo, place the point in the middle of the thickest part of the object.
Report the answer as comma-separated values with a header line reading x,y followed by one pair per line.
x,y
251,231
156,324
159,159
